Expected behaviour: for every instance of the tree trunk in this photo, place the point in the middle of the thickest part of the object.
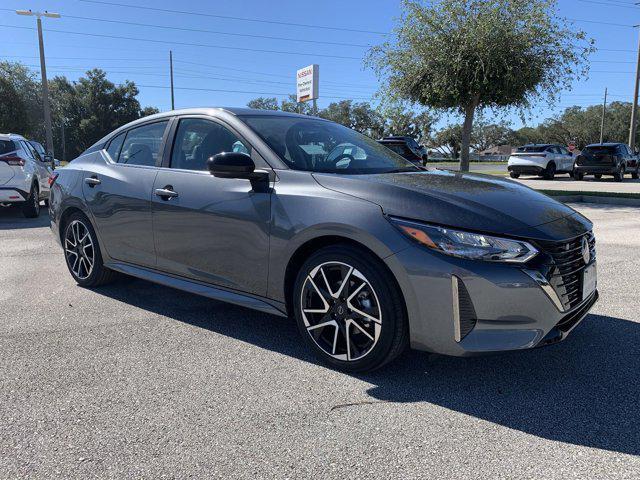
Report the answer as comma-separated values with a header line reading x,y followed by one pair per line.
x,y
467,127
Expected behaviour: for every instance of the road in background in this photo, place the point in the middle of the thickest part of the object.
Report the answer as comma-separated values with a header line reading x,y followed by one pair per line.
x,y
138,380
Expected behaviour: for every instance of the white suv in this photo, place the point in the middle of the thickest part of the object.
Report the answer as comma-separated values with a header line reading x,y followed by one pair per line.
x,y
24,175
544,160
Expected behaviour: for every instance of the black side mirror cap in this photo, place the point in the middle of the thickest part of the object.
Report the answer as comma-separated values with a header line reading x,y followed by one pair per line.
x,y
236,165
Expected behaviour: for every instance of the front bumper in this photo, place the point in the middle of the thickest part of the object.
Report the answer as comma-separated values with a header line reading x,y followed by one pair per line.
x,y
511,309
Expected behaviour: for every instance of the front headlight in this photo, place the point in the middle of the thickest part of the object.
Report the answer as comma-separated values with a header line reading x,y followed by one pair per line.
x,y
474,246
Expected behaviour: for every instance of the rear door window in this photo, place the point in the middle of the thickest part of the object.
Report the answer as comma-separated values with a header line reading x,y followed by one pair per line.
x,y
115,145
142,144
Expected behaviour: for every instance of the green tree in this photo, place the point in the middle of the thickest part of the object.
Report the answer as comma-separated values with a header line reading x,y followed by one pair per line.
x,y
264,103
465,55
486,135
361,117
401,120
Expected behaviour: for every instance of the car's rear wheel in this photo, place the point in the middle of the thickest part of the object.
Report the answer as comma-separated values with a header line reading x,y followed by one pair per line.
x,y
82,253
598,176
578,175
514,175
349,310
550,172
31,207
635,175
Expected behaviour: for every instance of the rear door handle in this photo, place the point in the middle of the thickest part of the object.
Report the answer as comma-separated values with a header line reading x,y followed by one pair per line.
x,y
92,181
166,193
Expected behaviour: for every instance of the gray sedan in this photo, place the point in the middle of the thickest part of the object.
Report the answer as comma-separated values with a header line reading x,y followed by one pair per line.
x,y
301,217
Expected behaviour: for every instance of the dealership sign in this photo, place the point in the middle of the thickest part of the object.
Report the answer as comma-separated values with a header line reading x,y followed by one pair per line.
x,y
307,82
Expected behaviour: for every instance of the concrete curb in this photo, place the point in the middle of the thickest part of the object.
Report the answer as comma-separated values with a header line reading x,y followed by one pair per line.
x,y
596,199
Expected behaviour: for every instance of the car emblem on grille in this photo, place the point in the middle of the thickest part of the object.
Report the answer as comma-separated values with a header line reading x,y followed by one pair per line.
x,y
586,252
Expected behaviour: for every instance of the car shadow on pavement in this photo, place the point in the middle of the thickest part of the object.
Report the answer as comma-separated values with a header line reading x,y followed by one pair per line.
x,y
583,391
11,218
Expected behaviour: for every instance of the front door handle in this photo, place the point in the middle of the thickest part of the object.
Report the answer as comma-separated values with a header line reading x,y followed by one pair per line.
x,y
166,193
92,181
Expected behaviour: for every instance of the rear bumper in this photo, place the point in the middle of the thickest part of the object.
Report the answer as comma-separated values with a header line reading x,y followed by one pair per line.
x,y
604,169
12,195
525,169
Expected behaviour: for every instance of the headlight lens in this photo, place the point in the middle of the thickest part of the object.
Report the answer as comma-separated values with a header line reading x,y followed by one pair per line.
x,y
474,246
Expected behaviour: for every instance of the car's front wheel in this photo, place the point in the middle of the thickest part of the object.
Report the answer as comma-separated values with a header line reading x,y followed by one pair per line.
x,y
635,175
82,253
349,310
550,172
514,175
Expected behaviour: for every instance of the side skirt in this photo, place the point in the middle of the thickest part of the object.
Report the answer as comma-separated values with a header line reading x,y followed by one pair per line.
x,y
244,300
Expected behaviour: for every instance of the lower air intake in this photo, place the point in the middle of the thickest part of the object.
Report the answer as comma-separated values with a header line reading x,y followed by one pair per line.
x,y
464,315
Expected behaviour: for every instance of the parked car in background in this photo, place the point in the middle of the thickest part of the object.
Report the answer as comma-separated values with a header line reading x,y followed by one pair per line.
x,y
607,159
544,160
406,147
24,175
299,216
43,153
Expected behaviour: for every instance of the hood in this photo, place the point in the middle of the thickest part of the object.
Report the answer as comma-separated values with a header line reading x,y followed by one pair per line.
x,y
467,201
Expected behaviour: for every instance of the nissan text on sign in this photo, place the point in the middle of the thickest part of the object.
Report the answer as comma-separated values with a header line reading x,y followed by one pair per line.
x,y
307,80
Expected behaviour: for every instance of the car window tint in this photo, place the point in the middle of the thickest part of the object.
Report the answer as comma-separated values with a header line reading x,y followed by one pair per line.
x,y
142,144
114,146
198,139
30,150
7,146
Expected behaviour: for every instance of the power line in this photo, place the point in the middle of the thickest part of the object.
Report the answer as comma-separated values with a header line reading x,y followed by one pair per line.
x,y
227,17
205,45
245,91
200,30
610,4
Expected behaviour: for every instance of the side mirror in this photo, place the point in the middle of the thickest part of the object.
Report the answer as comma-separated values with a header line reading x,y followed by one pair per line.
x,y
236,165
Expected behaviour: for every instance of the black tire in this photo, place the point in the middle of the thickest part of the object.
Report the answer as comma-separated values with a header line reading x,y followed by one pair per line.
x,y
578,176
514,175
550,171
635,175
619,175
31,207
393,336
99,274
598,176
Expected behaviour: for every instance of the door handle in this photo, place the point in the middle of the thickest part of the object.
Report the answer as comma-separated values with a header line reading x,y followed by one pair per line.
x,y
166,193
92,181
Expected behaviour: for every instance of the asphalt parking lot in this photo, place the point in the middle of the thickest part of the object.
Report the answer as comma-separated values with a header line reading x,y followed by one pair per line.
x,y
138,380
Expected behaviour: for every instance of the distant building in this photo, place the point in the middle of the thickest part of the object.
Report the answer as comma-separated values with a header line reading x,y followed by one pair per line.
x,y
497,150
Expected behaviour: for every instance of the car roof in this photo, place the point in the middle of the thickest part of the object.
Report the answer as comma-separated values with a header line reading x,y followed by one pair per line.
x,y
540,145
608,144
11,136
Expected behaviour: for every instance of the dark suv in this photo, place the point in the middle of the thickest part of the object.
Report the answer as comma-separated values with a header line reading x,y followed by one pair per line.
x,y
606,159
407,147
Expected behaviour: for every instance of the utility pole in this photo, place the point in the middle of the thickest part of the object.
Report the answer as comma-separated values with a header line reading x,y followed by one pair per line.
x,y
43,70
604,111
173,106
634,107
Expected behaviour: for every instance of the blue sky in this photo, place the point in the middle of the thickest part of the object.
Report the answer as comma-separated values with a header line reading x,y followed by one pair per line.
x,y
237,66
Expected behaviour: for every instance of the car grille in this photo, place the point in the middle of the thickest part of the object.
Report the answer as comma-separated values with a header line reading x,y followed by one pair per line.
x,y
566,266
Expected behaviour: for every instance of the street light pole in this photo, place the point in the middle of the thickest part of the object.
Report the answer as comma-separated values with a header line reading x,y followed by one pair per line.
x,y
43,70
173,106
604,112
634,107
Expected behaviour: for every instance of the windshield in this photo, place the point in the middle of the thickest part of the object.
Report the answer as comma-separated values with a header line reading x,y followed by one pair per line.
x,y
321,146
7,146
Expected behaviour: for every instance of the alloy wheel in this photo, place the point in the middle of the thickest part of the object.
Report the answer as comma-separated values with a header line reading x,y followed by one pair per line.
x,y
79,249
341,311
